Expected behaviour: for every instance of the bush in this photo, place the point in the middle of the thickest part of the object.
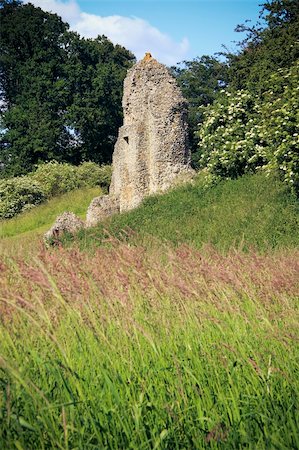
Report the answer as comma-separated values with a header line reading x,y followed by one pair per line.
x,y
19,194
91,174
49,180
280,125
56,178
243,133
227,144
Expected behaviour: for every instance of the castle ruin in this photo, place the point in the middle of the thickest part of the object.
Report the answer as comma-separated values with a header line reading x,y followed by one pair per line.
x,y
152,145
151,151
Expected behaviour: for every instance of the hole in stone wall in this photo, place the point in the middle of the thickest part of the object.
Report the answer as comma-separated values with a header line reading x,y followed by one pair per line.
x,y
126,138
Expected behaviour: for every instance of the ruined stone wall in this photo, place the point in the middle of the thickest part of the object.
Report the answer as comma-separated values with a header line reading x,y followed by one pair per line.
x,y
151,151
152,147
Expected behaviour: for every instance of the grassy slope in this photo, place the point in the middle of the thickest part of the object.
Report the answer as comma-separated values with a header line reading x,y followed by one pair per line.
x,y
163,347
25,230
251,211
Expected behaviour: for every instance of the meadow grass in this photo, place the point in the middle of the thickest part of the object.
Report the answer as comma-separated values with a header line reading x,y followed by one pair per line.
x,y
251,211
177,329
161,348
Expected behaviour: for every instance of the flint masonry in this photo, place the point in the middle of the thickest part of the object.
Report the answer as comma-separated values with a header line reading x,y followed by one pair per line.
x,y
152,147
151,151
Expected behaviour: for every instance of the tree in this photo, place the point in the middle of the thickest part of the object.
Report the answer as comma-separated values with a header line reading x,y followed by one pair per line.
x,y
243,132
254,123
33,85
267,47
60,94
200,80
96,82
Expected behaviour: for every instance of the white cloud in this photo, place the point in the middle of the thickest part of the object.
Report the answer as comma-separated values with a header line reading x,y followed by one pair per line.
x,y
134,33
69,10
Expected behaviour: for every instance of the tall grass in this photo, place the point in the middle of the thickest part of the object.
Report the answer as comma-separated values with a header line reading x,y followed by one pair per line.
x,y
160,348
156,345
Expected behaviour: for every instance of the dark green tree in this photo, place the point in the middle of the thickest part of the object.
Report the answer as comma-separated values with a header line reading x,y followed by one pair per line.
x,y
200,80
60,94
268,46
33,86
96,71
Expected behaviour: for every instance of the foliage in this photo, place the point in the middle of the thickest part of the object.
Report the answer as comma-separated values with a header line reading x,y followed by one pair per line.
x,y
61,95
225,147
248,75
96,70
33,87
50,179
279,126
268,46
58,178
19,194
91,174
176,349
31,40
242,132
200,80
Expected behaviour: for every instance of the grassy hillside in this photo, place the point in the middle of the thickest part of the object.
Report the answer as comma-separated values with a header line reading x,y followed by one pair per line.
x,y
169,343
250,211
23,233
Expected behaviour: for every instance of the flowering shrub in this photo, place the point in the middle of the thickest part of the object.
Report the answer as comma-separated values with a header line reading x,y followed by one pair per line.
x,y
56,178
91,174
280,125
242,133
19,194
228,136
50,179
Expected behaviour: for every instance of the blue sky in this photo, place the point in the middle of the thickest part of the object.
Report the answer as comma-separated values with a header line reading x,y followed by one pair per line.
x,y
172,30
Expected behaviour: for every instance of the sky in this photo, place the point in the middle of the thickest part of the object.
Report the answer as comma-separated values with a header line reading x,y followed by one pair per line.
x,y
172,30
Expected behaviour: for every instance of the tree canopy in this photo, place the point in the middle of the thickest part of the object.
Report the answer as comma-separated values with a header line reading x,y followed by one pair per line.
x,y
270,45
253,125
60,94
200,80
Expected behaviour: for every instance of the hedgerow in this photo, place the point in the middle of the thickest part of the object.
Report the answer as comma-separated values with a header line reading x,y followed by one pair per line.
x,y
90,174
56,178
19,194
50,179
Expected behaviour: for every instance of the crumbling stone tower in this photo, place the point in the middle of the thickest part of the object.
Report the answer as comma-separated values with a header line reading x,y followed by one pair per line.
x,y
152,148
